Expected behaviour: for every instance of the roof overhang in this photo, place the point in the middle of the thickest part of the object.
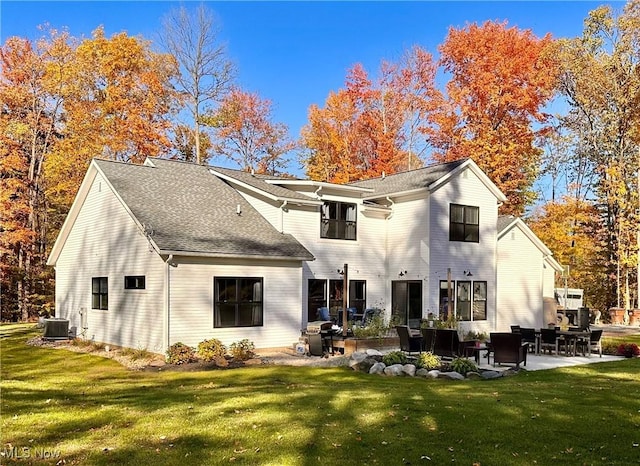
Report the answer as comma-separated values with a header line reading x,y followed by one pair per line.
x,y
218,255
321,184
290,200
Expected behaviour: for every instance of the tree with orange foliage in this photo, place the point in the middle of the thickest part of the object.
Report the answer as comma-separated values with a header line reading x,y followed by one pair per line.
x,y
117,102
500,80
570,227
245,133
63,103
371,127
30,92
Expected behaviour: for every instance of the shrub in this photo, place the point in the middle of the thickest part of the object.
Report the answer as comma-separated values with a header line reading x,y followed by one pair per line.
x,y
394,357
210,350
375,328
136,354
242,350
626,349
609,347
428,361
179,353
463,365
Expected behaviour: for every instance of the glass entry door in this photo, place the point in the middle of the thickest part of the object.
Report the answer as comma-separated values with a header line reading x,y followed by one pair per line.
x,y
406,302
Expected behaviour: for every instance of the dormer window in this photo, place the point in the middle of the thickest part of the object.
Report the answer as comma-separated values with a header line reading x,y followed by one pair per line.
x,y
338,220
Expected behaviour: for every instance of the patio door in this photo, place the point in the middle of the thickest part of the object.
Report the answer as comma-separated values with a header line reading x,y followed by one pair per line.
x,y
406,302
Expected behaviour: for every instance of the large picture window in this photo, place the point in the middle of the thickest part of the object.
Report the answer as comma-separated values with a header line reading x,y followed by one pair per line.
x,y
464,223
238,302
338,220
100,293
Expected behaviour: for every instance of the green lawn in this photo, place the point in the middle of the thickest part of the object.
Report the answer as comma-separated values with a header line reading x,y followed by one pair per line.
x,y
92,411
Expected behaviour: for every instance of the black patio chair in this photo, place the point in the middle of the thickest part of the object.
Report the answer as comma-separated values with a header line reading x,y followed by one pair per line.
x,y
586,346
529,336
508,348
409,343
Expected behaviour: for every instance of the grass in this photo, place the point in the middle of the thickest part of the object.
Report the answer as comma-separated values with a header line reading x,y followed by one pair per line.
x,y
89,410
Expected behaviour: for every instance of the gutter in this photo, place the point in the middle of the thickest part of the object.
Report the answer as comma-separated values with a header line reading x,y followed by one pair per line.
x,y
284,204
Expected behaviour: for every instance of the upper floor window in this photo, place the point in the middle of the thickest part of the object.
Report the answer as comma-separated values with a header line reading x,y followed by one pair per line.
x,y
464,223
100,293
338,220
134,282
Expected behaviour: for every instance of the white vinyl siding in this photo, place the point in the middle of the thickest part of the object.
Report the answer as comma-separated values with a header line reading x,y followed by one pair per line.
x,y
479,258
105,242
520,285
192,301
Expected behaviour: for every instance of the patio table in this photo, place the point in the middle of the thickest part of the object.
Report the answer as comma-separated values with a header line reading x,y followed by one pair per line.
x,y
571,338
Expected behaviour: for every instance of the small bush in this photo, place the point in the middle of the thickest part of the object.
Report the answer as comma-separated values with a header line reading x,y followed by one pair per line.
x,y
136,354
211,350
242,350
375,328
463,366
428,361
625,349
609,347
79,342
179,353
394,357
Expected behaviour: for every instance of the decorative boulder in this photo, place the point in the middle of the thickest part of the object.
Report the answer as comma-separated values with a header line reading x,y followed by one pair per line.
x,y
409,369
394,370
361,362
423,373
377,368
452,375
375,354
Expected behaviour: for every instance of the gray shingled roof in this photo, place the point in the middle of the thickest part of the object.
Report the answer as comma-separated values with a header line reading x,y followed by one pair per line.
x,y
409,180
187,209
504,221
258,181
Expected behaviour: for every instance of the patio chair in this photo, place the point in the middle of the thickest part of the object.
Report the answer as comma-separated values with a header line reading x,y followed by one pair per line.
x,y
409,343
323,314
515,329
593,343
508,348
549,340
529,336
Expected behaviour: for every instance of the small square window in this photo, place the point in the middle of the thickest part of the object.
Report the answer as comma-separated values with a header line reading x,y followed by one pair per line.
x,y
134,282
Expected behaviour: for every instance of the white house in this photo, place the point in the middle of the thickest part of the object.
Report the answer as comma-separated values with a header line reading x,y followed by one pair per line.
x,y
154,254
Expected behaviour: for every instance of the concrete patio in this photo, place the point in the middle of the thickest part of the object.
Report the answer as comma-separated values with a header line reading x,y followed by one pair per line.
x,y
537,362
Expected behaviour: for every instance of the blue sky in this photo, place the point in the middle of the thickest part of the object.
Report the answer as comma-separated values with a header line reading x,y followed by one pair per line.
x,y
294,53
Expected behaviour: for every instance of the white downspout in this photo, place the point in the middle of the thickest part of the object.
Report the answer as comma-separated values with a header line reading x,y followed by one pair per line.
x,y
386,256
284,204
167,285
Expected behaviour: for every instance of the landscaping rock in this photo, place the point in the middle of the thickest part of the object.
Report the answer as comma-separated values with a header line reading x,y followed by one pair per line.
x,y
451,375
409,369
491,374
474,375
358,356
434,374
422,373
394,370
362,365
377,368
374,353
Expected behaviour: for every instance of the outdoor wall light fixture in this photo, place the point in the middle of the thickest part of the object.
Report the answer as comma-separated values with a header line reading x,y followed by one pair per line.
x,y
467,273
341,272
402,273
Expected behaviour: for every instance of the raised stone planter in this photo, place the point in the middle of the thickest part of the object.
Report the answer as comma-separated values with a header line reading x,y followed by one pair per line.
x,y
352,345
616,314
